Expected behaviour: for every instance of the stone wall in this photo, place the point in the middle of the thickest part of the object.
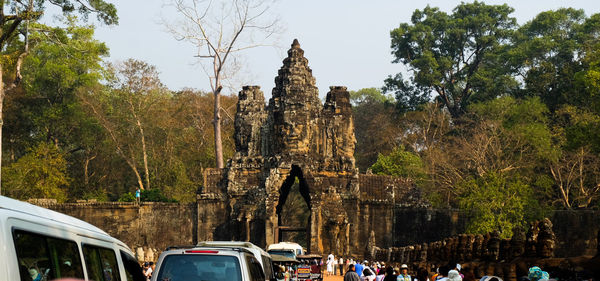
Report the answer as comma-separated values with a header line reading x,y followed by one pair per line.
x,y
151,227
147,228
576,232
415,226
488,254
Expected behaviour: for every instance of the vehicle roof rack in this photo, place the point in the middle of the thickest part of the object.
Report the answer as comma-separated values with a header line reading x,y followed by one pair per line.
x,y
208,247
175,247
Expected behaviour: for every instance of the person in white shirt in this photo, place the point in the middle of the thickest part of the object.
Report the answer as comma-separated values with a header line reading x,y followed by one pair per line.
x,y
368,275
330,260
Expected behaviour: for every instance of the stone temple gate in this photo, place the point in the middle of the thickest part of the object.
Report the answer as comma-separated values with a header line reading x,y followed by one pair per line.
x,y
296,137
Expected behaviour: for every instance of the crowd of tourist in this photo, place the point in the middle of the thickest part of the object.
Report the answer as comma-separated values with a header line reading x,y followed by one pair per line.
x,y
379,271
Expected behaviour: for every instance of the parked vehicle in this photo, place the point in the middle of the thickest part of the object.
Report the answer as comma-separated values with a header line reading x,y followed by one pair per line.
x,y
287,249
215,263
40,244
309,267
261,255
284,267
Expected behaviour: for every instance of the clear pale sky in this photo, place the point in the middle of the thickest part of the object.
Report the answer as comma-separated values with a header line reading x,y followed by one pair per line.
x,y
347,42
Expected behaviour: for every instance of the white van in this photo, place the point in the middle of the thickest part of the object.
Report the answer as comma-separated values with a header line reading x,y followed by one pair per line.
x,y
261,255
37,244
208,263
286,249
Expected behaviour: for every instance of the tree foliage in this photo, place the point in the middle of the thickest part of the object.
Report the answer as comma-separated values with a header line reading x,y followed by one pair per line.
x,y
15,18
400,163
456,56
547,54
497,202
41,173
375,125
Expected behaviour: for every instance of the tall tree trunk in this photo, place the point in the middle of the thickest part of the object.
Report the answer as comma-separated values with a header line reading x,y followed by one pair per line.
x,y
217,125
144,150
135,170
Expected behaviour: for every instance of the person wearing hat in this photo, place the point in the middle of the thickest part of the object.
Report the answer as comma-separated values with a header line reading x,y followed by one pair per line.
x,y
403,276
536,274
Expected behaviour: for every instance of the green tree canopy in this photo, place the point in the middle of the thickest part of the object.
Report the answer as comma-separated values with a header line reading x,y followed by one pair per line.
x,y
369,95
400,163
455,56
496,202
548,51
41,173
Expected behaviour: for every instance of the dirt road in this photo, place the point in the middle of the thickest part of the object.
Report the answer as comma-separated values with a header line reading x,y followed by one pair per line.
x,y
333,278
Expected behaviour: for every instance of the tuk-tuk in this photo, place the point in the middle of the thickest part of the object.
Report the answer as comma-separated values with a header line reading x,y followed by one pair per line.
x,y
309,267
284,267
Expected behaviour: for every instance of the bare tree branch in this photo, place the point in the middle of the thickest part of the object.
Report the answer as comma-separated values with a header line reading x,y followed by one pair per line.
x,y
219,29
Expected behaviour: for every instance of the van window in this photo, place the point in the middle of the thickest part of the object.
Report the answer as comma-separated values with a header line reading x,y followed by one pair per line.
x,y
133,271
286,253
268,266
256,272
199,267
44,258
101,263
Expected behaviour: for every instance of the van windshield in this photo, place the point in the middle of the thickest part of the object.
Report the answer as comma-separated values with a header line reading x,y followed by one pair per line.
x,y
199,267
285,253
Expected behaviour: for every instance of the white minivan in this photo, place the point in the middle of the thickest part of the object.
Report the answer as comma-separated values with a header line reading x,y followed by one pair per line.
x,y
37,244
261,255
286,249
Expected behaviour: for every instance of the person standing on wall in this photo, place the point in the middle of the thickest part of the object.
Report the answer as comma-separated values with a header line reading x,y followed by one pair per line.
x,y
137,195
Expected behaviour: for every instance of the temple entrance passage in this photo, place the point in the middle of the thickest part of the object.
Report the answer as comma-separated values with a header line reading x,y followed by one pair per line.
x,y
293,210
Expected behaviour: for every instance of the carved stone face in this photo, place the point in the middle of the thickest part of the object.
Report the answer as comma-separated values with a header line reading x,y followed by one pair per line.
x,y
347,142
477,245
296,133
494,249
546,248
423,256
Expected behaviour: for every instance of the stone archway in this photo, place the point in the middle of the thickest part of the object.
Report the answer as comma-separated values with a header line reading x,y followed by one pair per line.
x,y
293,209
296,136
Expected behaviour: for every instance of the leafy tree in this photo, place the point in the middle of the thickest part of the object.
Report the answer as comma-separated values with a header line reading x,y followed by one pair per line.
x,y
457,56
124,113
368,95
522,126
25,12
548,51
375,125
400,163
505,136
61,62
41,173
496,202
409,97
